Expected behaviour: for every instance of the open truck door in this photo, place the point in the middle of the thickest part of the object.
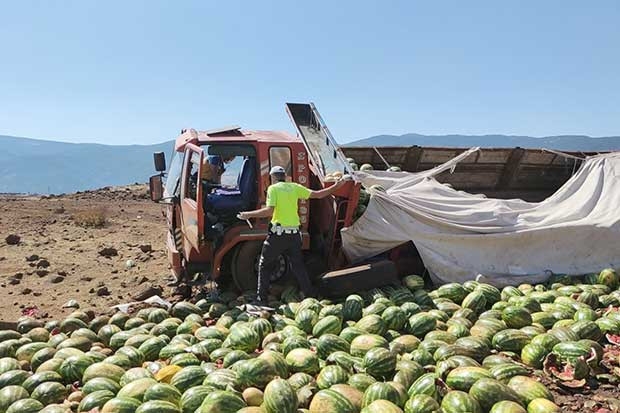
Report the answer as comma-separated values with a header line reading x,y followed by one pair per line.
x,y
192,197
324,152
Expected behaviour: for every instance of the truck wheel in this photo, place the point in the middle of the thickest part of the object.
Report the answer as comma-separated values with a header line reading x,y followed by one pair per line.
x,y
244,266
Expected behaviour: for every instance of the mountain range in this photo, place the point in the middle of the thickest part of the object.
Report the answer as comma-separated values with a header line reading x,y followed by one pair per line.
x,y
44,167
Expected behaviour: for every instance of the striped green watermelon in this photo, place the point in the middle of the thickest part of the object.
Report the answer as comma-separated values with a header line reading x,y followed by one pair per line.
x,y
510,340
487,392
459,402
516,317
529,389
192,398
382,406
255,372
25,406
421,324
462,378
361,381
361,344
188,377
221,401
106,370
95,400
379,362
331,375
372,324
137,388
163,392
49,392
302,360
11,394
242,337
352,308
507,406
33,381
381,391
330,343
329,400
279,397
158,406
543,406
421,403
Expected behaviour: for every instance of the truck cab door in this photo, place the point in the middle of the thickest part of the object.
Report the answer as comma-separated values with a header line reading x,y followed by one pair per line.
x,y
191,199
324,152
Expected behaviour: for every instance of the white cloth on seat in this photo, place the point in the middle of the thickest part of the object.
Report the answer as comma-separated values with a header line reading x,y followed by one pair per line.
x,y
460,235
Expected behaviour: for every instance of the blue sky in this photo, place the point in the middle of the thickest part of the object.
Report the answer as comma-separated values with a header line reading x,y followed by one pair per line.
x,y
138,71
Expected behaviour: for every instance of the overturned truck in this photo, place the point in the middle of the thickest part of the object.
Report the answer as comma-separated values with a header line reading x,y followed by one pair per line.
x,y
417,220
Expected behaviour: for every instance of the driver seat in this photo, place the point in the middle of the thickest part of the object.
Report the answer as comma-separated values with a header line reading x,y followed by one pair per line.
x,y
228,202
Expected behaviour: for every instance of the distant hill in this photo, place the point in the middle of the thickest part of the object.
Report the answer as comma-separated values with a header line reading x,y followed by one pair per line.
x,y
562,143
38,166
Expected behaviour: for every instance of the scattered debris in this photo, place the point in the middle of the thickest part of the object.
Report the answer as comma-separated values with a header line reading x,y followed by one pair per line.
x,y
13,239
43,263
103,291
145,248
33,257
55,279
71,304
108,252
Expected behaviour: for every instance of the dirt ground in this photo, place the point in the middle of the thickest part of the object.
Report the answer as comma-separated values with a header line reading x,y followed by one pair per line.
x,y
57,259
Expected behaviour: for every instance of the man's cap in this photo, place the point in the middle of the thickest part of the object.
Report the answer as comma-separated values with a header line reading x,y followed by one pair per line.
x,y
277,170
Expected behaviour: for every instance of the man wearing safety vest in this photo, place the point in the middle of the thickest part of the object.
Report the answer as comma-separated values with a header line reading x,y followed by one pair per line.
x,y
284,235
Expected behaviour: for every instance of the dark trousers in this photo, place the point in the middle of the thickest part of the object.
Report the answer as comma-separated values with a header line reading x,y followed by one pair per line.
x,y
274,246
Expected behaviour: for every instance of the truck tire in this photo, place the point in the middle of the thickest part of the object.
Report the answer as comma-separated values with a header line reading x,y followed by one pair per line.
x,y
244,266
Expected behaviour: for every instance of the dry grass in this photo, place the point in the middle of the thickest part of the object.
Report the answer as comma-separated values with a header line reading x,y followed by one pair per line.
x,y
91,218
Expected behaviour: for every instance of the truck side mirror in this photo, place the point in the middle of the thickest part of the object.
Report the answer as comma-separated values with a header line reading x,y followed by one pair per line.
x,y
156,188
160,161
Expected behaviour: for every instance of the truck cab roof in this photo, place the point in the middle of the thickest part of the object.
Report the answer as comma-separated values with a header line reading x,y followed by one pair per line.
x,y
231,134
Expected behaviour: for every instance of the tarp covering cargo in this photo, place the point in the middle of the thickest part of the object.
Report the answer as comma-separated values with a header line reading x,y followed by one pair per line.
x,y
509,241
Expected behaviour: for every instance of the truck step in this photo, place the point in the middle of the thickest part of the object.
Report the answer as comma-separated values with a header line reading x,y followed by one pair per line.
x,y
363,277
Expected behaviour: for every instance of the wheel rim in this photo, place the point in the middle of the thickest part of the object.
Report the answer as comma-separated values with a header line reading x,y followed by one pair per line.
x,y
280,271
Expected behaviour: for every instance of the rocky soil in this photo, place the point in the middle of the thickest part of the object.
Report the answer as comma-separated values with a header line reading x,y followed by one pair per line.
x,y
52,251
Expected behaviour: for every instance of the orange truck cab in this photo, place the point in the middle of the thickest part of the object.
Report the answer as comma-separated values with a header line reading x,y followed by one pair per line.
x,y
215,174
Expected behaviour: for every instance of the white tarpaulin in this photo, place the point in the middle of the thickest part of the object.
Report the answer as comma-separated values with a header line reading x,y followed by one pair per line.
x,y
460,235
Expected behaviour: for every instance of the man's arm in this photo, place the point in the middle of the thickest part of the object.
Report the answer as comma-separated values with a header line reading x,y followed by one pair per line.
x,y
265,212
326,191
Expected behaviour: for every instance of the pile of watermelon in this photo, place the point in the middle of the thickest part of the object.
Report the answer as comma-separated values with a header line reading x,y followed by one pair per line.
x,y
460,348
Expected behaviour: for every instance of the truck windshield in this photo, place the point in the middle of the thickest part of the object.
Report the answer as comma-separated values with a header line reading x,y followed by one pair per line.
x,y
171,187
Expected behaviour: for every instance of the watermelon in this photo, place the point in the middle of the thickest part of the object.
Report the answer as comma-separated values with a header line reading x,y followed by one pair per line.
x,y
329,400
11,394
105,370
220,401
460,402
382,406
487,392
49,392
361,344
164,392
462,378
188,377
381,391
279,397
421,403
507,406
33,381
302,360
158,406
379,362
331,375
254,372
192,398
25,406
543,406
137,388
529,389
95,400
